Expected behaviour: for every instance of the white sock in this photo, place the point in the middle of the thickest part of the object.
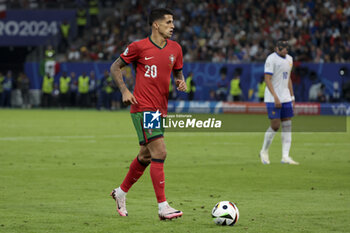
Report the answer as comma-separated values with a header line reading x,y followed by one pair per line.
x,y
120,192
286,136
270,133
161,205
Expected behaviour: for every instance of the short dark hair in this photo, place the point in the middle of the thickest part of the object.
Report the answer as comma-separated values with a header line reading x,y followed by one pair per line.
x,y
158,13
281,44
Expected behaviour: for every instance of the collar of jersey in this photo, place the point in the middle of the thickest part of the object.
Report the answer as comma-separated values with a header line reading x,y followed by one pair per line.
x,y
281,56
166,42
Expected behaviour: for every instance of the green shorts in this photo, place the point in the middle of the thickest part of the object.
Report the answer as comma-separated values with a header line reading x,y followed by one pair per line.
x,y
145,135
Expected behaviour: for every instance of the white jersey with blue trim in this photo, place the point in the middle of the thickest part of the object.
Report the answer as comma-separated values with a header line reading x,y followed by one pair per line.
x,y
280,69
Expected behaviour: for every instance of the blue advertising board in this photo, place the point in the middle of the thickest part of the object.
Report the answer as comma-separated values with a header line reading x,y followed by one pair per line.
x,y
207,75
33,27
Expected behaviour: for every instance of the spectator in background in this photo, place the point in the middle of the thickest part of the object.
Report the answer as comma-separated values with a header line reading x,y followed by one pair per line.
x,y
93,90
222,85
172,91
50,53
83,90
235,89
261,89
99,91
316,92
2,78
64,84
56,95
47,89
24,86
212,96
73,89
227,35
107,90
116,97
191,86
73,54
346,91
64,43
81,21
7,85
85,54
50,62
336,92
93,12
129,78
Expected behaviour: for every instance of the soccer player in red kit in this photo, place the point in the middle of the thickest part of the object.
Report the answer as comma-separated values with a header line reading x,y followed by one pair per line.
x,y
155,57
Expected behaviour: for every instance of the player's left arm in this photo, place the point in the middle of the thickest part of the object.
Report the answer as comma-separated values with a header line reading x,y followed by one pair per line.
x,y
179,80
290,87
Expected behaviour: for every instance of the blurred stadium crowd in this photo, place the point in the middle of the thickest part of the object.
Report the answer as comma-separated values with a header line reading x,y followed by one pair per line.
x,y
218,31
232,31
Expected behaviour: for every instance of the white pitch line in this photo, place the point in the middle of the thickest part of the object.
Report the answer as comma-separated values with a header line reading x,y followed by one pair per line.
x,y
326,144
57,138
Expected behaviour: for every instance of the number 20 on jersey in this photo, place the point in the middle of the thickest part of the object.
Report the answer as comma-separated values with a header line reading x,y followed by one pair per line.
x,y
151,71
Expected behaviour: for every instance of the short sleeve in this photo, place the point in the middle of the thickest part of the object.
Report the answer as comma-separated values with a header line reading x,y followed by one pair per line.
x,y
269,67
130,54
179,60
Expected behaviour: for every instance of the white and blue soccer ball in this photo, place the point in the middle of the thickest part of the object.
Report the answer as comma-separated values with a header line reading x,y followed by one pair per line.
x,y
225,213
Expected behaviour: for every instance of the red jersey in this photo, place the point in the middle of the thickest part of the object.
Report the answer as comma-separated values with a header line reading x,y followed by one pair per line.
x,y
153,69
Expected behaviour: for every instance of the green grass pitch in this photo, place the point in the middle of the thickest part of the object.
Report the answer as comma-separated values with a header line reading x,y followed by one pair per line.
x,y
58,167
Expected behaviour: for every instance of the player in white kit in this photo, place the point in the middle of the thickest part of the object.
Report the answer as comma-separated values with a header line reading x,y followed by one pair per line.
x,y
279,100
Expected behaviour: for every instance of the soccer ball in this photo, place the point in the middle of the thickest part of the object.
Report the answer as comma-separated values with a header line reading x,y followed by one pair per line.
x,y
225,213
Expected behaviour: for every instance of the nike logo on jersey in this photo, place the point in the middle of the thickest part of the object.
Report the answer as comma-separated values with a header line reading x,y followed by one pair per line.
x,y
147,58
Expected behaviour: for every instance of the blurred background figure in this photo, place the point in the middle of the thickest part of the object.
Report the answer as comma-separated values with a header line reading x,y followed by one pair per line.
x,y
191,86
2,78
73,54
222,85
47,90
317,92
172,90
65,32
93,12
73,90
50,63
212,95
99,31
116,97
235,89
261,89
64,84
83,90
24,86
81,21
129,78
107,90
93,90
7,85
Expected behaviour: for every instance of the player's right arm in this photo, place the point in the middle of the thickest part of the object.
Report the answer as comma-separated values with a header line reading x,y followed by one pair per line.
x,y
269,70
269,85
116,72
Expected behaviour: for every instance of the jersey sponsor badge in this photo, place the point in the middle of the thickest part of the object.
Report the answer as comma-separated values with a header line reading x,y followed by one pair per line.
x,y
126,51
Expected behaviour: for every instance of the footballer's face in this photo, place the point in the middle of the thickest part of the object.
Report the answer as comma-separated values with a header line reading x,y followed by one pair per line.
x,y
165,26
282,51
